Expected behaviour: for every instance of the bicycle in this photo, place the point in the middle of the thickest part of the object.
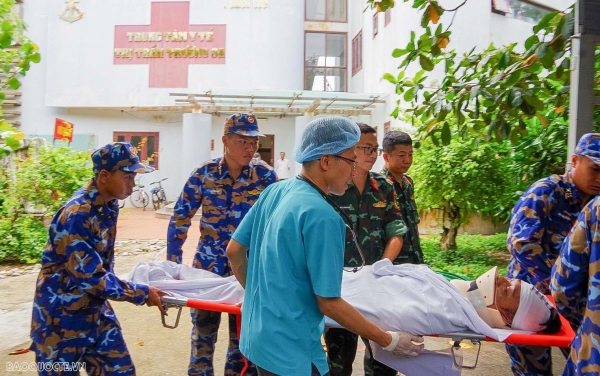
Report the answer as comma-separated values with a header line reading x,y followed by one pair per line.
x,y
139,198
158,194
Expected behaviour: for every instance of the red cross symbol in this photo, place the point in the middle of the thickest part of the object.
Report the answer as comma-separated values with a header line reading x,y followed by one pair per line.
x,y
169,44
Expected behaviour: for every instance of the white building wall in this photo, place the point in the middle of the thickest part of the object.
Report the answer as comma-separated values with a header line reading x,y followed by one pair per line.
x,y
77,80
263,51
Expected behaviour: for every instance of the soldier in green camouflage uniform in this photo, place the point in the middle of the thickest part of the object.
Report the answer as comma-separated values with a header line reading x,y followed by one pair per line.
x,y
371,205
398,156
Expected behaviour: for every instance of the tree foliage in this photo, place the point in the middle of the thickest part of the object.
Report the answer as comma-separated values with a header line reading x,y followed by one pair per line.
x,y
37,188
10,138
495,94
462,178
17,53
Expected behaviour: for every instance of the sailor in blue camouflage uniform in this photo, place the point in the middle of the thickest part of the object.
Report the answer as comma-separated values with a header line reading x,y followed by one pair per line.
x,y
370,202
540,222
72,320
226,188
575,284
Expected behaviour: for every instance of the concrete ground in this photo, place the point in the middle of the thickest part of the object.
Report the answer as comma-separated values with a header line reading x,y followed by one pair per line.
x,y
164,352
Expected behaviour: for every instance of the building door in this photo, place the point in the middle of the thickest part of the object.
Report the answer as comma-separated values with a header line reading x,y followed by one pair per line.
x,y
266,148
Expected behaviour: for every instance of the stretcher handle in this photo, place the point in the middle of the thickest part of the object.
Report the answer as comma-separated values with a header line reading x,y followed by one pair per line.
x,y
162,315
171,301
202,304
174,301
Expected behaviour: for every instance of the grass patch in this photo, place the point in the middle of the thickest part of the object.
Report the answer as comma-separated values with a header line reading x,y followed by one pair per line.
x,y
475,254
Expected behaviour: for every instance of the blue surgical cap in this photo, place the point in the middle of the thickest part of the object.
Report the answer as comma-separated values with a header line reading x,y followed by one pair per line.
x,y
327,135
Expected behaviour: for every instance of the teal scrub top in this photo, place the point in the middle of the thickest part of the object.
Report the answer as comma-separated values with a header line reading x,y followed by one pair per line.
x,y
296,251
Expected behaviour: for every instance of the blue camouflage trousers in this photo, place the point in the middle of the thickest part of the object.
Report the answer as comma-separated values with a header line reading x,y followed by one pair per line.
x,y
205,327
530,360
108,356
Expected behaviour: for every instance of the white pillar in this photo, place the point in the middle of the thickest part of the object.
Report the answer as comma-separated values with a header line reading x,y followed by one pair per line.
x,y
300,124
195,142
379,116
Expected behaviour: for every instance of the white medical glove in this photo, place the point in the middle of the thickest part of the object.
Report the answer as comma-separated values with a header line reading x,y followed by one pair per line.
x,y
402,344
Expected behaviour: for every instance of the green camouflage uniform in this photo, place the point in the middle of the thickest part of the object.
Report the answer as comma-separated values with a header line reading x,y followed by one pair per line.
x,y
376,218
411,252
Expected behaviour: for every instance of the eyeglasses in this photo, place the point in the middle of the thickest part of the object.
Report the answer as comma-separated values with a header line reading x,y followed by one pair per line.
x,y
351,161
370,150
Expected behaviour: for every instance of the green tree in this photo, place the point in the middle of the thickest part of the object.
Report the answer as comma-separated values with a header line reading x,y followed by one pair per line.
x,y
17,53
497,93
36,189
463,178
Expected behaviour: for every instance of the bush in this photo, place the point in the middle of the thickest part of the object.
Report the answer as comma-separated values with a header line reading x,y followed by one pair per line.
x,y
22,240
43,182
475,254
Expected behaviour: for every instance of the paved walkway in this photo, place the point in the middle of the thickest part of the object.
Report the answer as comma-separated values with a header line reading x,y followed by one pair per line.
x,y
138,224
165,352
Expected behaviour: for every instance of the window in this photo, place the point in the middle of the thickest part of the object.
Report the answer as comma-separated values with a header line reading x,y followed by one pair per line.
x,y
326,10
375,24
148,150
525,10
357,53
388,16
325,61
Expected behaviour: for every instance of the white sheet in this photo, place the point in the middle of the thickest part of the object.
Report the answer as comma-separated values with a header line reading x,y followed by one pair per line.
x,y
406,297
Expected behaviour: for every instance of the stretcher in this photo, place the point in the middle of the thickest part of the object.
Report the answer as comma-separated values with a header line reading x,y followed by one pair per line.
x,y
562,338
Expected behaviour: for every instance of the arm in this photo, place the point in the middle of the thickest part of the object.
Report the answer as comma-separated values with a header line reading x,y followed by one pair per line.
x,y
399,343
85,266
526,233
394,226
187,205
392,248
570,275
236,253
348,317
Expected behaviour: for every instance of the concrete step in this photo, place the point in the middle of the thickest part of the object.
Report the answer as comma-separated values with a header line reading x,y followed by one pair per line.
x,y
167,211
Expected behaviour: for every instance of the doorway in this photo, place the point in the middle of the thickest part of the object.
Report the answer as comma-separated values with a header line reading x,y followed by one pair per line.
x,y
266,148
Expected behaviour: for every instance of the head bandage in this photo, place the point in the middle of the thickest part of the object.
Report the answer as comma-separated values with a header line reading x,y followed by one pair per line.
x,y
534,309
326,136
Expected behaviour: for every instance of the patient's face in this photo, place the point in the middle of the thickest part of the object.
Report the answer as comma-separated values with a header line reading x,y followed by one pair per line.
x,y
507,297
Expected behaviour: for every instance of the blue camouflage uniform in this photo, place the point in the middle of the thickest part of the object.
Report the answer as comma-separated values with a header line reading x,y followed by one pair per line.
x,y
224,202
540,221
72,320
575,285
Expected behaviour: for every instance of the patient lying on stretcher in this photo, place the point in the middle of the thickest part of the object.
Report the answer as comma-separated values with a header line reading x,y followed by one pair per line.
x,y
509,303
405,297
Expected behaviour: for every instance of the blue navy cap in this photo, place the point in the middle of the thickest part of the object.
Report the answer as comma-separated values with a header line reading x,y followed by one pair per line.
x,y
242,124
119,156
589,145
